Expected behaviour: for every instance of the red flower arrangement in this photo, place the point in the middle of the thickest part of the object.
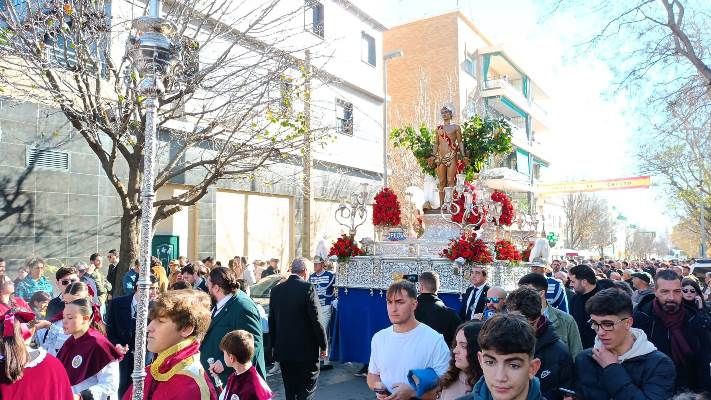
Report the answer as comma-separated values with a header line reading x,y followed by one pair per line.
x,y
469,248
474,218
386,211
507,210
344,248
527,253
506,251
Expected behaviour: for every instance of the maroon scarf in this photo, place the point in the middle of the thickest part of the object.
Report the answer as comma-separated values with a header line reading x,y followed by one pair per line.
x,y
674,323
541,325
86,356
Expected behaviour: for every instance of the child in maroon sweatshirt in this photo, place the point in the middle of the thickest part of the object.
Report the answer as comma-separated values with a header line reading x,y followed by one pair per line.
x,y
245,383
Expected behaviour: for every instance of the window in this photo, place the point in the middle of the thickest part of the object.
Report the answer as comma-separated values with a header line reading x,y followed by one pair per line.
x,y
367,46
344,117
469,66
313,18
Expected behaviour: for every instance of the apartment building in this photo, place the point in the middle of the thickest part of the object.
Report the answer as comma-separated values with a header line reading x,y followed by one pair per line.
x,y
68,191
449,60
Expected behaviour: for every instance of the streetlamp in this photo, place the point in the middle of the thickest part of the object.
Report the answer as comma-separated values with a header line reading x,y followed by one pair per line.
x,y
386,57
153,55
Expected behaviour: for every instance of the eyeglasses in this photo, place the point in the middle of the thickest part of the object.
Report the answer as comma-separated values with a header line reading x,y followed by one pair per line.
x,y
66,282
605,325
692,290
494,300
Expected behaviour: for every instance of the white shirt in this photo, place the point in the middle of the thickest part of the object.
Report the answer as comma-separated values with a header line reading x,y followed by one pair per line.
x,y
52,339
393,354
221,304
104,385
479,289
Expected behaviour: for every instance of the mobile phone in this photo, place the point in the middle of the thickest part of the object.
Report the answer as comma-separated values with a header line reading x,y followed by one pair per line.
x,y
411,277
567,392
382,391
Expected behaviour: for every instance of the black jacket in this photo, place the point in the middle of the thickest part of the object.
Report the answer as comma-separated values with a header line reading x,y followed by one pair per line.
x,y
693,375
647,377
111,278
556,364
55,306
577,310
467,310
432,312
121,329
294,322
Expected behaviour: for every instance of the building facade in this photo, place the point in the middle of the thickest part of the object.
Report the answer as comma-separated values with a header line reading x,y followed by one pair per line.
x,y
449,60
58,204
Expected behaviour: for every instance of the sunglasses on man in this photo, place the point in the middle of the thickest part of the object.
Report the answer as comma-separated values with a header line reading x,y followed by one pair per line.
x,y
66,282
494,300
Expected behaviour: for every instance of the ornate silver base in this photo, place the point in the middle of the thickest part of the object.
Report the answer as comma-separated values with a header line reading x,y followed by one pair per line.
x,y
377,273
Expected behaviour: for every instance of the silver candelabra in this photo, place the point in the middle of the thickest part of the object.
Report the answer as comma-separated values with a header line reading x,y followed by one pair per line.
x,y
354,213
477,202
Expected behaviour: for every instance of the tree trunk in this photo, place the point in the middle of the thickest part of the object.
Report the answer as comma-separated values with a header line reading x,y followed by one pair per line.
x,y
128,253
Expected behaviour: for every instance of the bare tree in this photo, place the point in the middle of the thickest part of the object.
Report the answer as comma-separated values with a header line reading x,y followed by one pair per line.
x,y
588,221
641,244
226,113
660,51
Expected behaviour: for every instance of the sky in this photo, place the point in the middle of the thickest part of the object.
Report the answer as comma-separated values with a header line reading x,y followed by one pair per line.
x,y
593,124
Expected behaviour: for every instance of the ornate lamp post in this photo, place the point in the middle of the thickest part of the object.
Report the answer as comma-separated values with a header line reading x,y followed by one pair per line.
x,y
153,55
355,212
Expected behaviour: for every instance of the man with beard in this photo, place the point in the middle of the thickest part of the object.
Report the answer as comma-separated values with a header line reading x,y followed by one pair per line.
x,y
584,283
233,310
677,331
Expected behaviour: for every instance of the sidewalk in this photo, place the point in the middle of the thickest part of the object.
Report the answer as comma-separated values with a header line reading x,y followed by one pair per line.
x,y
338,383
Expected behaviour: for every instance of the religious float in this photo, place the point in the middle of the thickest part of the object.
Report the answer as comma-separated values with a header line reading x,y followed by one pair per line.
x,y
471,222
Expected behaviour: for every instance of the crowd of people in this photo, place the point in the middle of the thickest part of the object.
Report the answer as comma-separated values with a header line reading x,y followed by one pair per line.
x,y
205,336
588,330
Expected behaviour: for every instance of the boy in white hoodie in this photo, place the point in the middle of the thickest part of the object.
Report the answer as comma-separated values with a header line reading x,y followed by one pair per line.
x,y
623,364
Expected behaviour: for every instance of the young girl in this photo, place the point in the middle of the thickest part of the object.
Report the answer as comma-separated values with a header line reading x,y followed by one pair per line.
x,y
245,383
25,373
8,301
50,335
91,361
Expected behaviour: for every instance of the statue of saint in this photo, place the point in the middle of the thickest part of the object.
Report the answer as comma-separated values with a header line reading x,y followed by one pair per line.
x,y
449,156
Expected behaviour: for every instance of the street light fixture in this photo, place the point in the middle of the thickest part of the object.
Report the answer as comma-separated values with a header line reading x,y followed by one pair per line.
x,y
153,54
386,57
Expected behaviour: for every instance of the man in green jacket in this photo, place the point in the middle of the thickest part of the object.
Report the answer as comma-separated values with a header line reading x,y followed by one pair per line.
x,y
233,310
562,322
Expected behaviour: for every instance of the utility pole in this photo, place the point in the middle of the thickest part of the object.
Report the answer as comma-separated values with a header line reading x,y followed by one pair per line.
x,y
308,163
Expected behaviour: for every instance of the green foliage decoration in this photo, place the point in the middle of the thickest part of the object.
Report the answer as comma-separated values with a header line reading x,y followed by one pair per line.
x,y
482,137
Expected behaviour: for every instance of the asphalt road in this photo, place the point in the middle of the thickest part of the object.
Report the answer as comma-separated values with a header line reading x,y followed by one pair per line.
x,y
338,383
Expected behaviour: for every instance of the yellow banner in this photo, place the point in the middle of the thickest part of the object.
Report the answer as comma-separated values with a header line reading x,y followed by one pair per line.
x,y
637,182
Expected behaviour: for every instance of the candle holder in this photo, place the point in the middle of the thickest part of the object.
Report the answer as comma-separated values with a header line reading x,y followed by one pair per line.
x,y
354,213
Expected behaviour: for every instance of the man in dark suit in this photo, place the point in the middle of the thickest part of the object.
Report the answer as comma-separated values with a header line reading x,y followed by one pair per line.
x,y
475,297
432,311
121,330
233,310
296,332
